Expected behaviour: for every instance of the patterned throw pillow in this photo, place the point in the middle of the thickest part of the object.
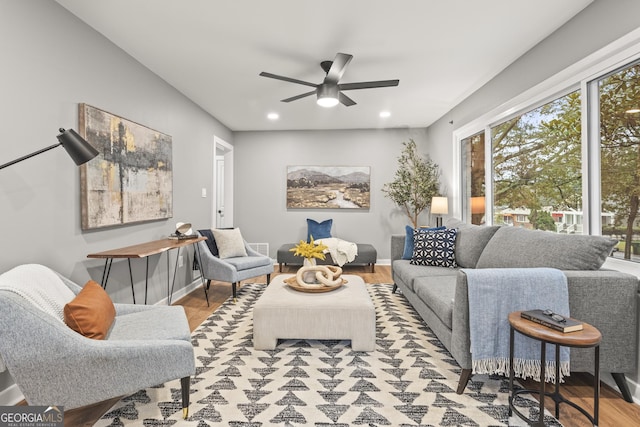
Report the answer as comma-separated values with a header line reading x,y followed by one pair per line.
x,y
435,248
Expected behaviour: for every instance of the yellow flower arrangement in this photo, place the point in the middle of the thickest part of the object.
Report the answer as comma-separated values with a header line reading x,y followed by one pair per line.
x,y
309,250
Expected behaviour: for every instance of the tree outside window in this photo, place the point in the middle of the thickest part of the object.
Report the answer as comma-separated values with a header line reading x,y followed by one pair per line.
x,y
619,103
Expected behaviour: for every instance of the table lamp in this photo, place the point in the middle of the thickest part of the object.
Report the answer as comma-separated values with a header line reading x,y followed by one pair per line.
x,y
439,205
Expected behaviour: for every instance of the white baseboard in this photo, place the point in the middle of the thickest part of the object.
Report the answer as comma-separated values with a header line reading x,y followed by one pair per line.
x,y
182,292
10,396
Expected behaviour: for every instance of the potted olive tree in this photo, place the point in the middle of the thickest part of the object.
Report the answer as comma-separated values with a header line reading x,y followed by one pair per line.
x,y
415,183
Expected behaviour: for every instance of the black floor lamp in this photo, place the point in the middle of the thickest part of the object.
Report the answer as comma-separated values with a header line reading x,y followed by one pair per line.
x,y
79,149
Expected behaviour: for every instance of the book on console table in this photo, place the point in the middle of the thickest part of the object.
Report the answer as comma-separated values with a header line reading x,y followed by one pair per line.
x,y
539,316
182,236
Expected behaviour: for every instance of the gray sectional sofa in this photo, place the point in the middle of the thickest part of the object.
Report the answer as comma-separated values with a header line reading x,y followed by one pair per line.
x,y
604,298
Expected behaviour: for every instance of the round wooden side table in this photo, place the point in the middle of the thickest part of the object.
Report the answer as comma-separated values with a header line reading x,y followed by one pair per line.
x,y
588,337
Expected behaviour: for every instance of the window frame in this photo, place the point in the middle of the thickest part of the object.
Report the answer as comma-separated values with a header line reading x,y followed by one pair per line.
x,y
582,76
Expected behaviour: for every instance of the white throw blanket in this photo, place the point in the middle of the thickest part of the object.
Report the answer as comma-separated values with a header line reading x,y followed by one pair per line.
x,y
340,250
40,286
496,292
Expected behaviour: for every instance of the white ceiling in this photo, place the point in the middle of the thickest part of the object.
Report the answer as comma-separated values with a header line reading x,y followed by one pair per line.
x,y
213,50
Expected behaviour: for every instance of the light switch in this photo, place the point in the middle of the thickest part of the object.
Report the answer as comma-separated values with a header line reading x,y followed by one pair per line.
x,y
204,192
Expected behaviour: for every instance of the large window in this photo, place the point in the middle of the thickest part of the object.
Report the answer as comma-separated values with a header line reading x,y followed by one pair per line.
x,y
570,165
473,187
619,107
537,167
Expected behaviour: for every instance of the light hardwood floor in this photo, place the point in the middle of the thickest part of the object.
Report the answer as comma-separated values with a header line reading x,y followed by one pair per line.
x,y
614,411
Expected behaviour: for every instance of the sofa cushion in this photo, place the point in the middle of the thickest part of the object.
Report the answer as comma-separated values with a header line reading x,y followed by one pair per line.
x,y
436,248
470,241
230,243
319,230
406,272
517,247
91,312
408,240
152,323
438,294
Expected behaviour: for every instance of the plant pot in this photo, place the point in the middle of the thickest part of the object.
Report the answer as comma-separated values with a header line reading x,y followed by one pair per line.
x,y
309,276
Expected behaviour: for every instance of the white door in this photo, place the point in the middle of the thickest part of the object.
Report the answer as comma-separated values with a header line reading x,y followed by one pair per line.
x,y
219,183
222,203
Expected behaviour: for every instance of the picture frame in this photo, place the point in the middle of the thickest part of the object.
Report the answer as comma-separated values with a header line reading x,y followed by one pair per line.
x,y
328,187
131,180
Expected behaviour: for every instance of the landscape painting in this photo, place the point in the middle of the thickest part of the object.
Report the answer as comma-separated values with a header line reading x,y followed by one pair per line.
x,y
328,187
131,180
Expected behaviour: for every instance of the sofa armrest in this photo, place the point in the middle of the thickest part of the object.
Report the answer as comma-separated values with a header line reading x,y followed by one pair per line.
x,y
606,299
397,246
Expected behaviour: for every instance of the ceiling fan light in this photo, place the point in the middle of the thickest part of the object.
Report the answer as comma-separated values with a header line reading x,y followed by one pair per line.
x,y
327,95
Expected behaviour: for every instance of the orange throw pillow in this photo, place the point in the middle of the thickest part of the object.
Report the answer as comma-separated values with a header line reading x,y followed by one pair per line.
x,y
91,312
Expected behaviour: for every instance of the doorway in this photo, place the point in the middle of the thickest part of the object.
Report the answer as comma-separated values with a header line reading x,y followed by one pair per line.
x,y
222,203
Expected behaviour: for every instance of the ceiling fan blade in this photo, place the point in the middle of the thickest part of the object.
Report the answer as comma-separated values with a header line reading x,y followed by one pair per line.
x,y
287,79
338,68
368,85
293,98
345,100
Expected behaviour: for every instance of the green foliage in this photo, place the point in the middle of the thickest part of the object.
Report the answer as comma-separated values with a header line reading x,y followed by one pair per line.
x,y
542,220
620,149
415,183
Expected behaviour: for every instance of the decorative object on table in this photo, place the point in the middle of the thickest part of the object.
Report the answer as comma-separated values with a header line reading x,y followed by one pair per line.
x,y
552,320
439,207
183,231
310,251
325,278
79,149
132,179
415,183
332,187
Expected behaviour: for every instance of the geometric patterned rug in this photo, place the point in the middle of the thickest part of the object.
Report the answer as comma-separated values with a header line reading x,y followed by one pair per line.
x,y
409,380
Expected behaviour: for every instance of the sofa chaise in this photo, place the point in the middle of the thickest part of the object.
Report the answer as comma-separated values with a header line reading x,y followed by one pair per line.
x,y
604,298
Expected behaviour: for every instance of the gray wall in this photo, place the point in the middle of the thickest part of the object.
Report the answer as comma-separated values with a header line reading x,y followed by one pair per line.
x,y
261,160
51,61
601,23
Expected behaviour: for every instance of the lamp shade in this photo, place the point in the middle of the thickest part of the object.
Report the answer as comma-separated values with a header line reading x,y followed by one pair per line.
x,y
477,205
79,149
327,95
439,205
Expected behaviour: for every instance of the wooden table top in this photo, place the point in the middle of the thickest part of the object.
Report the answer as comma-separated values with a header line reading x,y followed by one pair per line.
x,y
146,249
589,336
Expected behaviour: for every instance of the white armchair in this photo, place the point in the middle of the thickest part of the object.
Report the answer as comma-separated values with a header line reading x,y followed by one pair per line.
x,y
233,269
54,365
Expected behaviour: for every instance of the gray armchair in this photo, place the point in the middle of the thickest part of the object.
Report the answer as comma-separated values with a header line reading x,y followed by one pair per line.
x,y
54,365
234,269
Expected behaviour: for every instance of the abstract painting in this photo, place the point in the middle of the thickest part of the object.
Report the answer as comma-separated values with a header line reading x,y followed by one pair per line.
x,y
328,187
131,180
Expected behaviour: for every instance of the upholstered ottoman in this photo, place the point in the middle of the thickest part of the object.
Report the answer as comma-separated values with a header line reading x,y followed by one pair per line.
x,y
346,313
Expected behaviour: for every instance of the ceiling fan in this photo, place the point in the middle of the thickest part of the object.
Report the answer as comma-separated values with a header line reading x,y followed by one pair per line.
x,y
329,92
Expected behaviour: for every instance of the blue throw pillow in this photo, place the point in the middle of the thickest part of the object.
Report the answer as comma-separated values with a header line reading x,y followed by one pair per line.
x,y
319,230
408,240
436,248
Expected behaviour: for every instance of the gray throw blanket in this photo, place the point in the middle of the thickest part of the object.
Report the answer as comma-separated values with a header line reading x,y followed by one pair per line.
x,y
496,292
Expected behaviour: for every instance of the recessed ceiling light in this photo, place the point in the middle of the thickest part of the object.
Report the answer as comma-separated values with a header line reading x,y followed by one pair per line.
x,y
385,114
273,116
633,111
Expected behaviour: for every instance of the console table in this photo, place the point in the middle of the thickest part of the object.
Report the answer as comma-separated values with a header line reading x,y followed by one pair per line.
x,y
145,250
